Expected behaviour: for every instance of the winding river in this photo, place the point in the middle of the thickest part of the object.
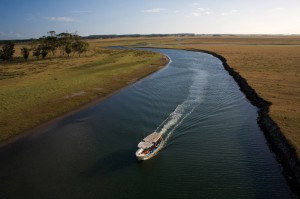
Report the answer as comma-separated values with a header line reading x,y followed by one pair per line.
x,y
214,147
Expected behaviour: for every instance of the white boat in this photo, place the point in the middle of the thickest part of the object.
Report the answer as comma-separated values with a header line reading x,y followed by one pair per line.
x,y
149,146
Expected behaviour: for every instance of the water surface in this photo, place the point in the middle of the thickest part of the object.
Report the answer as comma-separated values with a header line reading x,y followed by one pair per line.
x,y
214,147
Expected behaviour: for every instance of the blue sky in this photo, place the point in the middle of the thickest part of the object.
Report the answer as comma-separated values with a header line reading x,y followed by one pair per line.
x,y
22,19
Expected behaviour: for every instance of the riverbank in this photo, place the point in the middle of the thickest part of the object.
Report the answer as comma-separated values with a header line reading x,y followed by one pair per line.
x,y
38,91
284,150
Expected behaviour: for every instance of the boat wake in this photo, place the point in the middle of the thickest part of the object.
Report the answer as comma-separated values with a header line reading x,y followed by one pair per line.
x,y
183,110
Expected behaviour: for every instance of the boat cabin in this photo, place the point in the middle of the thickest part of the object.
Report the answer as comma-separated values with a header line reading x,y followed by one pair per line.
x,y
152,140
149,146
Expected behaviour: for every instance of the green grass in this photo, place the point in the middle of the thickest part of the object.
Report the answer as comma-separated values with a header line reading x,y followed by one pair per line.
x,y
35,91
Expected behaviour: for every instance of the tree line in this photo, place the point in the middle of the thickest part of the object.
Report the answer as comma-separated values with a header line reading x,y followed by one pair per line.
x,y
65,43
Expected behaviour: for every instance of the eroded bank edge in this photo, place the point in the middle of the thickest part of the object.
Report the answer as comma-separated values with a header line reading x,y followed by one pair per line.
x,y
283,149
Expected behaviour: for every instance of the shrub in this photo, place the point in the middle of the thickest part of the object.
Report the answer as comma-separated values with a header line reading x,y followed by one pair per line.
x,y
25,52
8,51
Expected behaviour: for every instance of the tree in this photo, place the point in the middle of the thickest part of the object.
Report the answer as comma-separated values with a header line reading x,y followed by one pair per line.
x,y
68,49
66,42
37,52
80,46
25,52
44,52
44,46
8,51
52,44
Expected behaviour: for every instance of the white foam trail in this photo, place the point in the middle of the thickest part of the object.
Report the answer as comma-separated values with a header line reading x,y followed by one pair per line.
x,y
183,110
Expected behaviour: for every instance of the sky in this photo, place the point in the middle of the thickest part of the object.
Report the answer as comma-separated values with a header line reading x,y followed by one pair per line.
x,y
25,19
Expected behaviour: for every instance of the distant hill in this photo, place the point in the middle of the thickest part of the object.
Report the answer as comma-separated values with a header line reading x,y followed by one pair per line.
x,y
138,35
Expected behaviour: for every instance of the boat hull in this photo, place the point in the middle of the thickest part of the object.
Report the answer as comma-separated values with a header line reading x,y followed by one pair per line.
x,y
147,156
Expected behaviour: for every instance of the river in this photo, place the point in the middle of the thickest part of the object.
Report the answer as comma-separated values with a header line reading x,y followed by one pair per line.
x,y
214,147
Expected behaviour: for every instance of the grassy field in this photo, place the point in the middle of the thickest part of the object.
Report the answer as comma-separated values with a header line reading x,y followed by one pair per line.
x,y
35,91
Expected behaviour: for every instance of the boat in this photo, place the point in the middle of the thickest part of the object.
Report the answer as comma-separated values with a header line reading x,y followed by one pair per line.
x,y
149,146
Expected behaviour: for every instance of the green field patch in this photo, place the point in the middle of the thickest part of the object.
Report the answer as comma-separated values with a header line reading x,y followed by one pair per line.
x,y
37,91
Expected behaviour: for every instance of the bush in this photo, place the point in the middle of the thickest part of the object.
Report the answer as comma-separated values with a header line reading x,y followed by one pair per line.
x,y
44,52
25,52
37,52
7,51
